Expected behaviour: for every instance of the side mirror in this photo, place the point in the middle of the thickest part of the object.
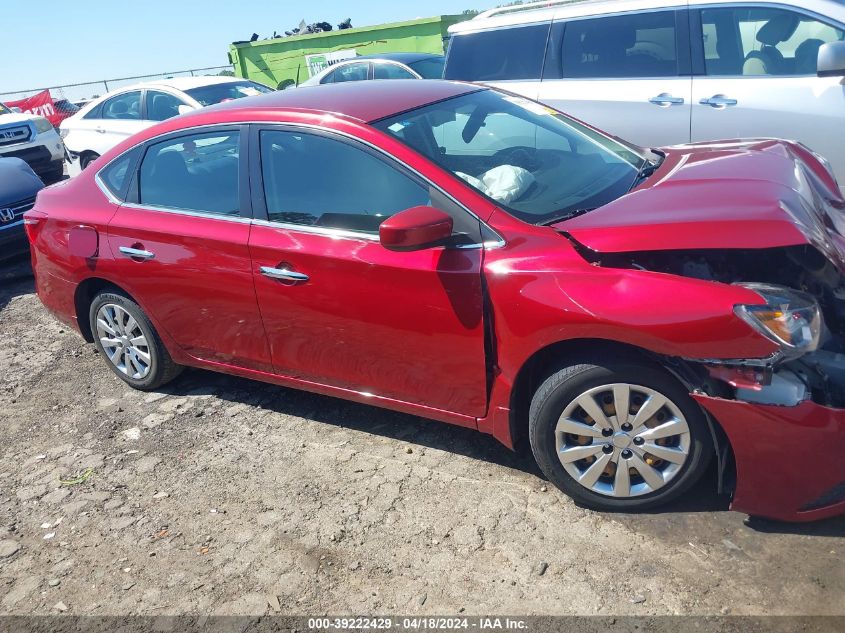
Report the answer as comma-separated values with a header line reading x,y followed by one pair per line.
x,y
415,229
831,60
184,109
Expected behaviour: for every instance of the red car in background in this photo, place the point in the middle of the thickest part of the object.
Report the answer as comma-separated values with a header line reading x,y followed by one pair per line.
x,y
477,258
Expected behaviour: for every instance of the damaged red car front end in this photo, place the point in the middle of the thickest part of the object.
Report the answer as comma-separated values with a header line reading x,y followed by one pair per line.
x,y
788,458
783,416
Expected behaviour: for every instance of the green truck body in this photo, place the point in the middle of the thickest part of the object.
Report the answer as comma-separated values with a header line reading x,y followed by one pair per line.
x,y
281,62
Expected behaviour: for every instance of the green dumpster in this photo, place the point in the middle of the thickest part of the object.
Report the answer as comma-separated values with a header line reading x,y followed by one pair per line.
x,y
286,61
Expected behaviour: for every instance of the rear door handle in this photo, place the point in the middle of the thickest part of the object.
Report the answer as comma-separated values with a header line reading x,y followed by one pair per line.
x,y
719,101
283,273
664,100
101,129
136,253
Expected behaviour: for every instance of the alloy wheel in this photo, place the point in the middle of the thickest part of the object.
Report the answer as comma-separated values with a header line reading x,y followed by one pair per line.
x,y
123,341
622,440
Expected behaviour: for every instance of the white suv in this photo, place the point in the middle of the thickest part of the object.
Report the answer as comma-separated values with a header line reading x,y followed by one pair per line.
x,y
663,72
32,139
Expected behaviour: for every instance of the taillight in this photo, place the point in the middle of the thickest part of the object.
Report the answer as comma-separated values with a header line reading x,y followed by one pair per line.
x,y
32,222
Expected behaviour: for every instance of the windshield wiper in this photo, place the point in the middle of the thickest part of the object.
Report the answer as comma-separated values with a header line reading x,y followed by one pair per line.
x,y
568,216
648,168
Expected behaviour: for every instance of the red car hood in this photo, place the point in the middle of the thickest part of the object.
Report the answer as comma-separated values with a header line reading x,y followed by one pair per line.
x,y
729,194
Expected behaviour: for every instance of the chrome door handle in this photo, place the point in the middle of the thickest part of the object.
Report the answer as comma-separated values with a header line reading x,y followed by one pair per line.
x,y
136,253
101,130
664,100
283,273
718,101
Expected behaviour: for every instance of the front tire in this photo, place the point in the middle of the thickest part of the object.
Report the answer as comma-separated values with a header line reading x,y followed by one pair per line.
x,y
130,344
618,436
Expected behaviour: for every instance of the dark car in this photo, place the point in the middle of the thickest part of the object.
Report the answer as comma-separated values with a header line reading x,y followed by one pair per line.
x,y
18,186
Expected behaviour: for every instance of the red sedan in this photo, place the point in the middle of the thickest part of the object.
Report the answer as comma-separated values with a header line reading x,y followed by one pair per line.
x,y
477,258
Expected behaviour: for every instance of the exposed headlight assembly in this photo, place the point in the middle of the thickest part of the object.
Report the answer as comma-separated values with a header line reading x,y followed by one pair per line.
x,y
42,125
789,318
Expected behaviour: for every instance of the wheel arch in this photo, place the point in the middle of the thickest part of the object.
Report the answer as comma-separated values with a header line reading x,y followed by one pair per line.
x,y
544,361
84,295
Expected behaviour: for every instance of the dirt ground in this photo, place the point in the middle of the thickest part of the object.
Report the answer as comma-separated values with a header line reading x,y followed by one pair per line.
x,y
224,496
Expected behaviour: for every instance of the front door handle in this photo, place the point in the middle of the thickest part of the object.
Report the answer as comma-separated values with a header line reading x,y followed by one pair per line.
x,y
664,100
718,101
136,253
283,273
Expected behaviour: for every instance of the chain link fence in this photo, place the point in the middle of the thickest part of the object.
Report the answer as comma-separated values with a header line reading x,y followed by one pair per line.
x,y
92,89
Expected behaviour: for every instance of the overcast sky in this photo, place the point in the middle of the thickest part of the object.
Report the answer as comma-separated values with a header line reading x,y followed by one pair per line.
x,y
69,41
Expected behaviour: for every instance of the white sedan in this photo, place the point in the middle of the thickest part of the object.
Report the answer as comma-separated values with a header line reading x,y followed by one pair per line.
x,y
381,66
104,122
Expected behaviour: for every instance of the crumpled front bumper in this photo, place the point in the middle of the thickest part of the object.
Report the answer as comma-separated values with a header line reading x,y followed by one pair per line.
x,y
790,461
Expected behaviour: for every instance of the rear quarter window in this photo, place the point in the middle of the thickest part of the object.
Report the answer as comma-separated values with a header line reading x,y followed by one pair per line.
x,y
499,54
117,174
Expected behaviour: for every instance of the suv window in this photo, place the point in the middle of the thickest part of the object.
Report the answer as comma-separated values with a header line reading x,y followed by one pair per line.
x,y
634,45
197,173
162,105
125,106
348,72
760,41
499,54
391,71
314,180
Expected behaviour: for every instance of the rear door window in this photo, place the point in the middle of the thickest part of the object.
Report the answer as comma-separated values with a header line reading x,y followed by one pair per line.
x,y
198,172
348,72
124,107
429,68
623,46
498,54
762,41
162,105
391,71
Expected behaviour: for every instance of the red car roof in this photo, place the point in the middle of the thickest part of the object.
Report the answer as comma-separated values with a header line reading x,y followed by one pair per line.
x,y
363,100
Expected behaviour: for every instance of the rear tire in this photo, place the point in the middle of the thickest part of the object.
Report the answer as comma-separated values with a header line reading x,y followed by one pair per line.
x,y
573,426
86,159
128,341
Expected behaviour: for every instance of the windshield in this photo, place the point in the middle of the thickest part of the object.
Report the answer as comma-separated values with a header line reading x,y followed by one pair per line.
x,y
218,93
431,68
535,162
4,109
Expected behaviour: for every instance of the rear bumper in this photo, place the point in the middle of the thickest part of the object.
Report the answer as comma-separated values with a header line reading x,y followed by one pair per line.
x,y
57,294
790,461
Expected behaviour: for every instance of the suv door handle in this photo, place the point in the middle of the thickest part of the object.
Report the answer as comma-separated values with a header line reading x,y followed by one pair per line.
x,y
283,273
136,253
664,100
718,101
100,129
